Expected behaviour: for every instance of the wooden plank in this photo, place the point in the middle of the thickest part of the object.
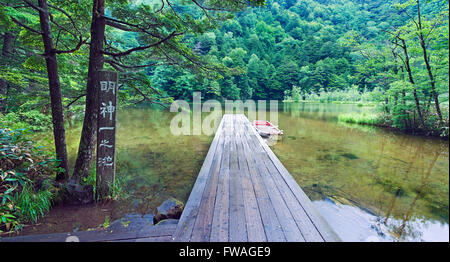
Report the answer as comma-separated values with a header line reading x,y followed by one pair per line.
x,y
306,227
219,227
290,229
237,223
321,225
155,239
255,228
202,226
97,235
187,219
157,231
272,226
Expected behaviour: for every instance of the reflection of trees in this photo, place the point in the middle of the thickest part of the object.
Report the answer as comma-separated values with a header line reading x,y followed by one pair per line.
x,y
400,164
311,111
422,153
420,192
397,192
377,165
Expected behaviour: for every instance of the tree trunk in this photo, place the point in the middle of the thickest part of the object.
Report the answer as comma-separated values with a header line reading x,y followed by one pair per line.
x,y
3,92
88,133
427,63
7,40
6,50
411,80
55,91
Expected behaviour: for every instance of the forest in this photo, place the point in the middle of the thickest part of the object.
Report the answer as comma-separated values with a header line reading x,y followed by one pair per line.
x,y
390,54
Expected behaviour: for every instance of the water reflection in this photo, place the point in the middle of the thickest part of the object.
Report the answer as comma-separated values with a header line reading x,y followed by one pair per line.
x,y
356,225
401,180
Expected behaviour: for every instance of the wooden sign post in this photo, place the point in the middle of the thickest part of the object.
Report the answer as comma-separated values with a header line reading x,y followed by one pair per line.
x,y
107,87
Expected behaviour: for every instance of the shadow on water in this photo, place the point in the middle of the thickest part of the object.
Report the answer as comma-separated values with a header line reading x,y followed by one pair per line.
x,y
367,182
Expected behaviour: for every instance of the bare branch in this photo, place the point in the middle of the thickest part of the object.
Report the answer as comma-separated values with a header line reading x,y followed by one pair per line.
x,y
204,9
80,43
173,10
76,99
162,7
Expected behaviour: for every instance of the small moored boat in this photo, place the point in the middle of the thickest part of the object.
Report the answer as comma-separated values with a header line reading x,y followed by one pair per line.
x,y
266,129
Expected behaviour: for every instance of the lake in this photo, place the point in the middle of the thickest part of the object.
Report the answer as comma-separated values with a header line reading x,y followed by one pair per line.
x,y
369,183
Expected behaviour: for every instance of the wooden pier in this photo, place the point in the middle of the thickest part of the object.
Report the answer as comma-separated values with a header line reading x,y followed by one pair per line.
x,y
242,193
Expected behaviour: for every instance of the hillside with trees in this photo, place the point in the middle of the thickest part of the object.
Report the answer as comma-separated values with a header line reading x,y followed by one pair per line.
x,y
330,51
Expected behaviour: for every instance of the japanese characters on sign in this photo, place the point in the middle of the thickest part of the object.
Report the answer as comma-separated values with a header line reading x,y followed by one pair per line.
x,y
106,130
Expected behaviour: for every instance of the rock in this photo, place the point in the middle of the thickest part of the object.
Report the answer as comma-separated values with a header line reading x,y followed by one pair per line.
x,y
170,208
131,223
78,194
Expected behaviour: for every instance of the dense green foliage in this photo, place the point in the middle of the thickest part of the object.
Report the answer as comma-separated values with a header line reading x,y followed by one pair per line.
x,y
300,50
327,51
26,175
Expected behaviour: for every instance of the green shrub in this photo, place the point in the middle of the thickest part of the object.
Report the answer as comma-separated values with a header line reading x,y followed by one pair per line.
x,y
32,120
25,175
32,205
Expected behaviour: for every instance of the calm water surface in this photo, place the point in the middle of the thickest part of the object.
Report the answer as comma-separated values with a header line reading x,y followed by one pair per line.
x,y
369,184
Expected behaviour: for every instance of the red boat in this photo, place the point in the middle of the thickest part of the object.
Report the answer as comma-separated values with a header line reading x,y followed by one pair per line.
x,y
266,129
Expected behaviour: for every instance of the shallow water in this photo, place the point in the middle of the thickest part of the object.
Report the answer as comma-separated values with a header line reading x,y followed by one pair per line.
x,y
370,184
398,180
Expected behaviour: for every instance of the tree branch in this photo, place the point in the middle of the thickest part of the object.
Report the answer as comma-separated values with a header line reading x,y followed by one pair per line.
x,y
66,14
147,98
135,66
25,26
80,43
120,25
33,6
76,99
139,48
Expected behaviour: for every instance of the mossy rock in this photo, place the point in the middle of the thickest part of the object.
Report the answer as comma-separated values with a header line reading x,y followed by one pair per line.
x,y
169,209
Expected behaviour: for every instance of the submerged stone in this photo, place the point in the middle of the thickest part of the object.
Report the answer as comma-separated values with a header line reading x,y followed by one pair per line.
x,y
170,208
349,156
131,222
